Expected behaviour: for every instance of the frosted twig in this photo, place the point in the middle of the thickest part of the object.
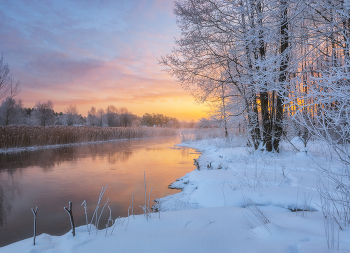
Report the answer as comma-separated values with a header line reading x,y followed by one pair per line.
x,y
158,201
98,221
223,193
149,197
132,206
97,207
145,211
109,219
85,208
115,223
128,218
144,181
35,212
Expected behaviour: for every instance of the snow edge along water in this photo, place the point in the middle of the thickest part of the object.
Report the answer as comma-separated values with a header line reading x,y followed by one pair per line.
x,y
243,206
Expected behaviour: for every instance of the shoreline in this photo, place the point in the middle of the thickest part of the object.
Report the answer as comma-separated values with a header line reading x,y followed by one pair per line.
x,y
35,148
55,146
28,138
237,201
123,151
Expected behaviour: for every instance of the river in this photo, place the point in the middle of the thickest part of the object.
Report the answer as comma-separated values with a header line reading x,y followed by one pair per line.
x,y
50,178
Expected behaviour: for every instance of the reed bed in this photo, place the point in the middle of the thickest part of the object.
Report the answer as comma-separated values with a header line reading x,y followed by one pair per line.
x,y
28,136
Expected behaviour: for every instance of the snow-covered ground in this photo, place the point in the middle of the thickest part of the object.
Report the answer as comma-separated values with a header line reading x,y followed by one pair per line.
x,y
238,200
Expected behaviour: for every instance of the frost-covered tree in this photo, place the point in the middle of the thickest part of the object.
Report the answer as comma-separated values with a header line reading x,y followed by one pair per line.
x,y
319,92
11,109
11,112
91,119
244,46
43,114
8,87
100,117
126,118
5,77
71,115
157,120
112,116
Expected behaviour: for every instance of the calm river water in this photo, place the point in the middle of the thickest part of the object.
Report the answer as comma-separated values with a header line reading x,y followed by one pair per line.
x,y
49,179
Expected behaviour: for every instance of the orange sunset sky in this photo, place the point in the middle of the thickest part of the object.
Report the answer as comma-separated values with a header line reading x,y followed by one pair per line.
x,y
94,53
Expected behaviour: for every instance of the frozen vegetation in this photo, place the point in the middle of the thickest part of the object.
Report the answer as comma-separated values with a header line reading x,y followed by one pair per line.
x,y
237,200
26,138
271,69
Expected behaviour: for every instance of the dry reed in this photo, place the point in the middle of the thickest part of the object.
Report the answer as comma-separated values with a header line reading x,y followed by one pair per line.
x,y
28,136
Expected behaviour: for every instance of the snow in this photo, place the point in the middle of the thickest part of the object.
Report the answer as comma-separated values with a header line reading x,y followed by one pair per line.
x,y
239,200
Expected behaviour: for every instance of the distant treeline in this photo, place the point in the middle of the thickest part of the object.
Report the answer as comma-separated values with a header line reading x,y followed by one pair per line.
x,y
13,113
159,120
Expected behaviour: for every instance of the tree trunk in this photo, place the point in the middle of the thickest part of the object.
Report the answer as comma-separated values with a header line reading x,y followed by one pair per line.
x,y
70,212
256,135
266,120
264,96
278,126
35,213
224,115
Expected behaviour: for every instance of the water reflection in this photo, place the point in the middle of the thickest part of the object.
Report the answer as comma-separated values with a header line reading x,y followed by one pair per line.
x,y
9,190
48,158
2,207
50,178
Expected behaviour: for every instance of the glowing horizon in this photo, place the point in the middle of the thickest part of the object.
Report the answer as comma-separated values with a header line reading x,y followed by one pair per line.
x,y
94,54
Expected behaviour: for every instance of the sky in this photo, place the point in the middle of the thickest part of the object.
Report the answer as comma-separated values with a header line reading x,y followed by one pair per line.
x,y
94,53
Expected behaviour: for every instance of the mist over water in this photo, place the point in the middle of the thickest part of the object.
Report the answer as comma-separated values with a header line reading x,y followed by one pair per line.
x,y
49,179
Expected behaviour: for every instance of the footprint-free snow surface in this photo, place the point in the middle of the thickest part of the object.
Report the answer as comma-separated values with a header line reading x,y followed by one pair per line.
x,y
237,200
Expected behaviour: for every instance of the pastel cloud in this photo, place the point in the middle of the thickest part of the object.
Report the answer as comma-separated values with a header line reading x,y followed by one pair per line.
x,y
94,53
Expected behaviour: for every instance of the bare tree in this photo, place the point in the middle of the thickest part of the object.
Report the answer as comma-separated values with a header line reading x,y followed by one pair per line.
x,y
11,112
11,109
5,78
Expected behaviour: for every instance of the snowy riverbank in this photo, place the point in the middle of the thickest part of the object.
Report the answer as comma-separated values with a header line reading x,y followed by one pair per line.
x,y
238,201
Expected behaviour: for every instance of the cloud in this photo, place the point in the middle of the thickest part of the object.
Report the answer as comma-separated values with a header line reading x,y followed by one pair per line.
x,y
91,52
